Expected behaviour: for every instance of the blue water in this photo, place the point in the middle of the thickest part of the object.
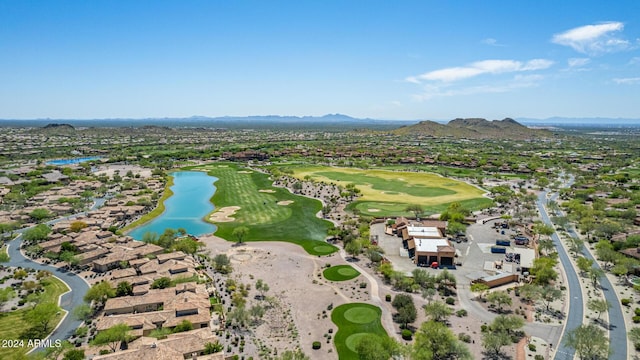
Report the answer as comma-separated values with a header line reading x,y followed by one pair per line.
x,y
186,208
71,161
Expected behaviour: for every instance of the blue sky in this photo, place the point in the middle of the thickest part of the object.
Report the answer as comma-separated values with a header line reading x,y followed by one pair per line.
x,y
378,59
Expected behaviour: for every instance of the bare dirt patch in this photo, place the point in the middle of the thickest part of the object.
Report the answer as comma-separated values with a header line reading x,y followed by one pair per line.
x,y
285,202
299,299
122,170
224,214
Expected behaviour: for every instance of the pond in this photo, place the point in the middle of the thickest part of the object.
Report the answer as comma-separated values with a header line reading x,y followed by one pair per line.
x,y
60,162
186,208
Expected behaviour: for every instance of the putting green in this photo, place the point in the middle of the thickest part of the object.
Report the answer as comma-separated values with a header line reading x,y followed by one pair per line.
x,y
340,273
360,315
260,213
350,332
324,249
389,192
352,340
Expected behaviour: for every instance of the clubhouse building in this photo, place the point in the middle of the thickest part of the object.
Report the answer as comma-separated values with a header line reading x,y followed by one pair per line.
x,y
425,242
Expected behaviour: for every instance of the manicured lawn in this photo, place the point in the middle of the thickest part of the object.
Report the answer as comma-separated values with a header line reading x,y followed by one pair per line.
x,y
340,273
387,193
354,322
13,324
259,211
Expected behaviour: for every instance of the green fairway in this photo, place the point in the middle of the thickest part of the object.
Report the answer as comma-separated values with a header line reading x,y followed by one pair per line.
x,y
354,322
13,324
270,213
387,193
340,273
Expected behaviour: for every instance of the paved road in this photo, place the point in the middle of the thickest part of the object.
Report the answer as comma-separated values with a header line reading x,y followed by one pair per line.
x,y
576,310
617,331
68,301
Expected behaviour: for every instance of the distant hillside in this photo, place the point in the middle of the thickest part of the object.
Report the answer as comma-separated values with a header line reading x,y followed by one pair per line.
x,y
474,128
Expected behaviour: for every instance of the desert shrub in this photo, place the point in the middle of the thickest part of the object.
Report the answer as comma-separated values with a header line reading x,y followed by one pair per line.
x,y
464,337
637,311
461,313
532,347
450,301
316,345
636,319
406,334
387,298
538,357
625,302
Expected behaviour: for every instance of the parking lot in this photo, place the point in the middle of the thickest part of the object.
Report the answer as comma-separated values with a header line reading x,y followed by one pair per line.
x,y
474,255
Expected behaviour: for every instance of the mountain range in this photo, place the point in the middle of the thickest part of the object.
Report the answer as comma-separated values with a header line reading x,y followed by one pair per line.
x,y
474,128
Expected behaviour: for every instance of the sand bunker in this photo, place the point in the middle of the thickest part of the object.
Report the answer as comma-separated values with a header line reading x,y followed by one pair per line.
x,y
244,172
267,191
224,214
373,210
285,202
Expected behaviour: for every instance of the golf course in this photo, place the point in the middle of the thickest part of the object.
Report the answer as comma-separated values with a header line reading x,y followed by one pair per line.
x,y
356,321
340,273
248,199
387,193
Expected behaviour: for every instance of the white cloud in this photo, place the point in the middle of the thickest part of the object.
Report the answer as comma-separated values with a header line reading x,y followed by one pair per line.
x,y
627,81
491,42
578,62
593,39
478,68
519,81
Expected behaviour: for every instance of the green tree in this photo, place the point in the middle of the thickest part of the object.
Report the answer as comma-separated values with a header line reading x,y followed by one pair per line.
x,y
76,226
40,214
499,298
112,336
74,354
100,292
353,248
416,209
184,325
584,265
188,245
507,324
222,263
406,309
594,275
494,341
216,347
240,233
598,306
262,288
124,288
435,341
549,294
82,312
4,257
589,341
437,311
239,316
37,233
479,288
42,315
543,270
161,283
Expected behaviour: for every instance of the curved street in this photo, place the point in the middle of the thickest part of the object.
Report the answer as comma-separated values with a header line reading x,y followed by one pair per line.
x,y
68,301
617,333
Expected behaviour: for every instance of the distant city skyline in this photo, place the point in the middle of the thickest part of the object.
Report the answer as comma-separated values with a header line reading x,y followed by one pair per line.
x,y
403,60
